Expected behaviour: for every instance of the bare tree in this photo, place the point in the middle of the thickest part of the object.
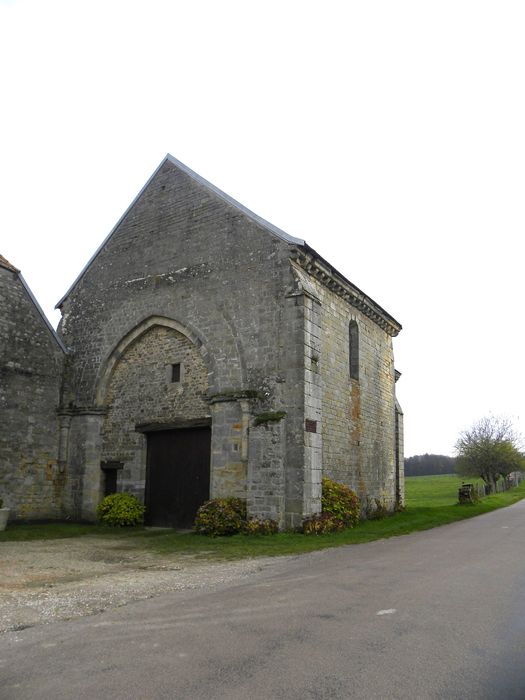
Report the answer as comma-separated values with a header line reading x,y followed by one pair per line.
x,y
489,449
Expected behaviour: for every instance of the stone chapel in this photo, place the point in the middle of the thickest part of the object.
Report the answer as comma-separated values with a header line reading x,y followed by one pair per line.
x,y
202,352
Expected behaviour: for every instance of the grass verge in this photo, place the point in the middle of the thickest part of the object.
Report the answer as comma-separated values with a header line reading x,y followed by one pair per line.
x,y
419,515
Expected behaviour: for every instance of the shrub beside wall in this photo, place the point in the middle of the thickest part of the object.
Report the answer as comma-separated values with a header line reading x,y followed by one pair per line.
x,y
220,516
227,516
121,510
341,508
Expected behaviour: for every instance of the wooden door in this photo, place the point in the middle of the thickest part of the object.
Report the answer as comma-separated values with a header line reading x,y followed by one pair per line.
x,y
177,475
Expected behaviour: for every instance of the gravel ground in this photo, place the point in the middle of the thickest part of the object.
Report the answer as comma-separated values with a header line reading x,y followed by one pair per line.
x,y
47,580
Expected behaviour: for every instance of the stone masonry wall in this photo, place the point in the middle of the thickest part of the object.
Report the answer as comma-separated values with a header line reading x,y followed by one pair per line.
x,y
256,335
141,391
229,446
183,253
313,405
358,416
400,454
266,476
270,342
31,482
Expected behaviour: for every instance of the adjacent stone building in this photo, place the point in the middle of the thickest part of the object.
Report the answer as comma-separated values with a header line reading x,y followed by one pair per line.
x,y
211,354
32,482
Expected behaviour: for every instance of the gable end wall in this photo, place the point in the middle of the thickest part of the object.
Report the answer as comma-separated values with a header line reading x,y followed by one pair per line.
x,y
32,483
183,254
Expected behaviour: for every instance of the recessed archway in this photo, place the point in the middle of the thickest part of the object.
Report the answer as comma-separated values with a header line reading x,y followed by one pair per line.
x,y
108,366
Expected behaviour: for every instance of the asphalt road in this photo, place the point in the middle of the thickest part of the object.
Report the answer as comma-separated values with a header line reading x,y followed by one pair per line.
x,y
436,614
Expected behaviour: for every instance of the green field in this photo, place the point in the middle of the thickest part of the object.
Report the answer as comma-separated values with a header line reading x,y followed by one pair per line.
x,y
431,501
433,491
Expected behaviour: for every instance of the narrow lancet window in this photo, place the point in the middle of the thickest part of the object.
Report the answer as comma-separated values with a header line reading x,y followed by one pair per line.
x,y
175,373
353,347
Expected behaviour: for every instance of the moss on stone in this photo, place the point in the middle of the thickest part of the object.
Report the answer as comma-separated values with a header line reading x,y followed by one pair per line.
x,y
268,417
233,395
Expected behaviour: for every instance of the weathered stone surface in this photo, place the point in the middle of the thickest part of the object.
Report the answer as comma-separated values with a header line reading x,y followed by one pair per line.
x,y
258,323
358,415
183,254
141,392
31,481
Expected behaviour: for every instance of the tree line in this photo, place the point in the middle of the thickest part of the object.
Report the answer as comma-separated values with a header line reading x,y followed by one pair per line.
x,y
428,464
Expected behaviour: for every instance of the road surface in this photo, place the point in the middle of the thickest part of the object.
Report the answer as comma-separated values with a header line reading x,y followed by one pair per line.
x,y
436,614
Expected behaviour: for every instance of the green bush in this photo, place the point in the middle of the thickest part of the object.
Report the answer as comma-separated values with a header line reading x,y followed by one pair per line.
x,y
221,516
322,523
260,526
121,510
341,502
341,508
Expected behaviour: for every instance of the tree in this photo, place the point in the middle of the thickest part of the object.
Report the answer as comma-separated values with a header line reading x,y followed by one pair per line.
x,y
489,449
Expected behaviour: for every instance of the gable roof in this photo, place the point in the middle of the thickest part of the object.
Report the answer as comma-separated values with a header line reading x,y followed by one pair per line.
x,y
18,275
207,185
356,296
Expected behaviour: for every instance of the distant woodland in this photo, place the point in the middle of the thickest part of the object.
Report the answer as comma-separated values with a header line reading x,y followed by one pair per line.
x,y
424,465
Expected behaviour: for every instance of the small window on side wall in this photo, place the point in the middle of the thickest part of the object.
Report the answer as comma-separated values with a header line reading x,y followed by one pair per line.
x,y
175,373
353,347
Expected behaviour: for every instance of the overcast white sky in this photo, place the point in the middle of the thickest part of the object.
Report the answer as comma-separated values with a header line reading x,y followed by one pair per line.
x,y
388,134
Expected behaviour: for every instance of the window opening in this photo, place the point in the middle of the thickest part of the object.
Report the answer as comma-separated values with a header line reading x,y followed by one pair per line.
x,y
353,346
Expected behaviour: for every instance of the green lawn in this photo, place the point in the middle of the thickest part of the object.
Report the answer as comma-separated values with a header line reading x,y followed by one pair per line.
x,y
434,491
431,501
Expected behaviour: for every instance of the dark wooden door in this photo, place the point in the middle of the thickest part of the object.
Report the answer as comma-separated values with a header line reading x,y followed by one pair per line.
x,y
177,475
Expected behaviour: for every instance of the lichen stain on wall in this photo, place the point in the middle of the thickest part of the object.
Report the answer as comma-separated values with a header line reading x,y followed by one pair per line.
x,y
355,433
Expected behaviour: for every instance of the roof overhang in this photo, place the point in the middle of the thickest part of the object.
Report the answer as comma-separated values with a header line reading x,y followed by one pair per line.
x,y
331,278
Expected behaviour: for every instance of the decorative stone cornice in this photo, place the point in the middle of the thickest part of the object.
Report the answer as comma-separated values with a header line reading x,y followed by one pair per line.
x,y
319,269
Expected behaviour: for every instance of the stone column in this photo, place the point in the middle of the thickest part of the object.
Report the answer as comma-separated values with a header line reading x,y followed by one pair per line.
x,y
92,482
266,479
85,446
304,448
313,407
399,456
64,424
